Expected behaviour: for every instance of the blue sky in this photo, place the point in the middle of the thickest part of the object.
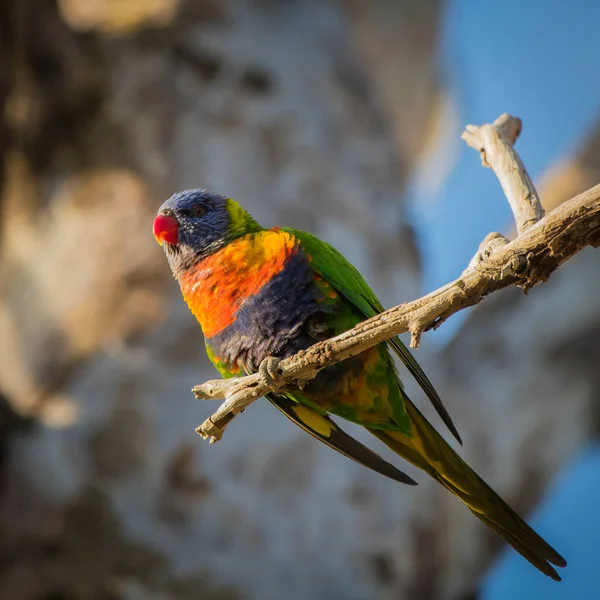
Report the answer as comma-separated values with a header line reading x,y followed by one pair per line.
x,y
535,59
538,60
569,518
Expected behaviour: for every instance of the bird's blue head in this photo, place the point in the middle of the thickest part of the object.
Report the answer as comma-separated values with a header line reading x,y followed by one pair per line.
x,y
193,224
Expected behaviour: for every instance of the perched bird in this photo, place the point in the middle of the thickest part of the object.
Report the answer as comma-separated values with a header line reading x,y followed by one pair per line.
x,y
260,292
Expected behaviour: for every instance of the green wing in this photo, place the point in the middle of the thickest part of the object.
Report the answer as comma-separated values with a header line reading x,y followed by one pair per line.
x,y
327,261
327,431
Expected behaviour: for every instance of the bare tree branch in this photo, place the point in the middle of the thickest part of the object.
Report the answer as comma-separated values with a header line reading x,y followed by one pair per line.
x,y
495,143
540,248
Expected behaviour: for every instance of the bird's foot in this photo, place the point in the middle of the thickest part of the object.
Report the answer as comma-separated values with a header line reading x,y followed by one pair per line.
x,y
269,369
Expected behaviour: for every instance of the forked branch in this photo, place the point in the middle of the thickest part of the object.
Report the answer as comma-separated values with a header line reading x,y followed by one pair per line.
x,y
542,245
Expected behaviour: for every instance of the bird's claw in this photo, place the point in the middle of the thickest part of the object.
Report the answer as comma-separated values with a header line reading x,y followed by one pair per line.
x,y
269,369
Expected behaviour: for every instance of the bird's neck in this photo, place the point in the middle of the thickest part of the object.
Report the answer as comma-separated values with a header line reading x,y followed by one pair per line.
x,y
217,286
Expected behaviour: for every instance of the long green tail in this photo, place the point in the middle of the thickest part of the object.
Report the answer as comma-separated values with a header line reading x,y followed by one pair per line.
x,y
426,449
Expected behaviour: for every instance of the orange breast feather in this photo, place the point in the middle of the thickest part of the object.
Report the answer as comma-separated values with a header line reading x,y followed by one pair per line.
x,y
216,288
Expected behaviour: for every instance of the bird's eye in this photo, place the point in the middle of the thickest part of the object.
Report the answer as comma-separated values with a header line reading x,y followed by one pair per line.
x,y
199,211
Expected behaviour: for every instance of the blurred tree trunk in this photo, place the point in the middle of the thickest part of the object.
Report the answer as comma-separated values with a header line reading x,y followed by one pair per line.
x,y
307,115
311,113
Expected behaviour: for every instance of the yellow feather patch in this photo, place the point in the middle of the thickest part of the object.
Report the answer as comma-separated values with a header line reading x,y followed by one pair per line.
x,y
313,420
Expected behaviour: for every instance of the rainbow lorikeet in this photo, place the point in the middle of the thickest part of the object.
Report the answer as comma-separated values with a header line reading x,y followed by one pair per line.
x,y
260,292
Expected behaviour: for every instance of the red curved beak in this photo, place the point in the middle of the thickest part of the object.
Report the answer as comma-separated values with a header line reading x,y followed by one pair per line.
x,y
166,229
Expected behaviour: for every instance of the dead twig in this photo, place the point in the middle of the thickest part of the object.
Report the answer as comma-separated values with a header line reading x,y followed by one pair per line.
x,y
542,245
